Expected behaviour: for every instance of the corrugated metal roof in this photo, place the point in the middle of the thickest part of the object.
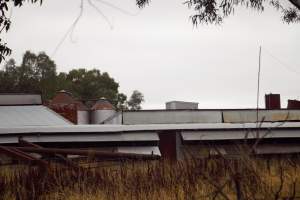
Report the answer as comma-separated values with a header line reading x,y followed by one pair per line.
x,y
18,116
248,116
109,137
20,99
146,127
209,116
172,117
237,135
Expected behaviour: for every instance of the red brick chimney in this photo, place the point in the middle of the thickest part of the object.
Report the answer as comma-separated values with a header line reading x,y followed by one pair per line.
x,y
272,101
293,104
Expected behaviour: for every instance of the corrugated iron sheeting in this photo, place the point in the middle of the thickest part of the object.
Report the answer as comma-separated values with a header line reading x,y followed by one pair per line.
x,y
172,117
249,116
146,127
113,137
237,135
14,116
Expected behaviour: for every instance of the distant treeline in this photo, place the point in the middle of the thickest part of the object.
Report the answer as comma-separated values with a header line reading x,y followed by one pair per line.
x,y
37,74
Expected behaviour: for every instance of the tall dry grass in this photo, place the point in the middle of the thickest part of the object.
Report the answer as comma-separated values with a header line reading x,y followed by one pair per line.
x,y
207,178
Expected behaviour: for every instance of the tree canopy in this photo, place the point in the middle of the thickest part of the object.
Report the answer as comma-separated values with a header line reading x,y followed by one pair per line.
x,y
37,74
214,11
135,100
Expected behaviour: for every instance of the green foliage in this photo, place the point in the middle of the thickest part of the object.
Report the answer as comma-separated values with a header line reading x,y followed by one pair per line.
x,y
135,100
37,74
121,102
5,22
91,84
214,11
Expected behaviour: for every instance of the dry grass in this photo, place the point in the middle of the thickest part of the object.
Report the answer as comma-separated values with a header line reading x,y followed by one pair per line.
x,y
210,178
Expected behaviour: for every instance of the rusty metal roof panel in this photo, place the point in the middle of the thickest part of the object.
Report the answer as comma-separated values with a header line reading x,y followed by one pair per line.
x,y
19,116
250,116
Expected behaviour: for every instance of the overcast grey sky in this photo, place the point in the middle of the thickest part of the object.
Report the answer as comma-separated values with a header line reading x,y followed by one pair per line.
x,y
160,53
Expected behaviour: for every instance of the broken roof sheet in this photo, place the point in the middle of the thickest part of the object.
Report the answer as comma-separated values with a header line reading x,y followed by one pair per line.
x,y
20,116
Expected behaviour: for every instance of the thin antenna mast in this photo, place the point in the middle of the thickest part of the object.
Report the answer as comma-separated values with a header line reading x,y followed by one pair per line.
x,y
258,84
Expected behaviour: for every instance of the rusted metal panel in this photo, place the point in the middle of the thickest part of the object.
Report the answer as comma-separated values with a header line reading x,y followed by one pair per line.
x,y
272,101
172,117
249,116
69,111
103,104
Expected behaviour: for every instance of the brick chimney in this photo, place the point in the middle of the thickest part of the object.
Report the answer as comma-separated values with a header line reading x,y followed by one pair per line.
x,y
293,104
272,101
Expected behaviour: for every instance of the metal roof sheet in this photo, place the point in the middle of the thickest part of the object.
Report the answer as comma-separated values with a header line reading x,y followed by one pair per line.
x,y
112,137
237,135
248,116
172,117
19,116
20,99
146,127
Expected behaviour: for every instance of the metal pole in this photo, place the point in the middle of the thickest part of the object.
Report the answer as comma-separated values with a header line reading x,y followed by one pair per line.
x,y
258,84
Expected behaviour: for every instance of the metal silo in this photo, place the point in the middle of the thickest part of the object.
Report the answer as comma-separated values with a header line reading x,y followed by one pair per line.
x,y
103,112
82,113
